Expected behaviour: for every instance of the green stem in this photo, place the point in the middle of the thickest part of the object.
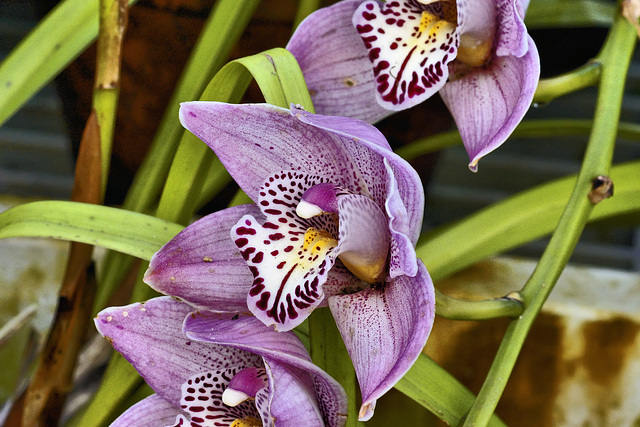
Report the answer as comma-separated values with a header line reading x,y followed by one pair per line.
x,y
580,78
113,20
457,309
615,58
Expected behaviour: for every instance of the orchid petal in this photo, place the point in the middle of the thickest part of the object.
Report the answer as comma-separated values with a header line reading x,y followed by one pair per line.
x,y
249,334
335,64
255,140
398,320
152,411
489,103
150,337
202,265
289,256
364,237
292,397
409,46
512,33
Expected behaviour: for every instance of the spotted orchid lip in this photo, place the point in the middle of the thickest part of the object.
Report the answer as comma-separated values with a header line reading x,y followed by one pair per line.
x,y
409,44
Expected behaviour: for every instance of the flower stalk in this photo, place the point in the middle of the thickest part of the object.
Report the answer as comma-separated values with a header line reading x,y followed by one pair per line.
x,y
615,58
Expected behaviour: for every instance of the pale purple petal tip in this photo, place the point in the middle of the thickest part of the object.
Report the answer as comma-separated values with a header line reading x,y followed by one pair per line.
x,y
398,318
488,104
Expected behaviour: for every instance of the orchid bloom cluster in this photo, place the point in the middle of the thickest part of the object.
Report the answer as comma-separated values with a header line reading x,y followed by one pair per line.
x,y
366,59
335,221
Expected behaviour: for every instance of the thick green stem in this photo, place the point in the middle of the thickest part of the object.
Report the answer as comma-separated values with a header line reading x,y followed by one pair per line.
x,y
615,58
457,309
580,78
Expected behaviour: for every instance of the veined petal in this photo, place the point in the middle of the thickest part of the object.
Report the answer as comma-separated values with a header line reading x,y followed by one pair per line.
x,y
202,264
150,337
409,45
291,396
384,331
512,33
364,237
255,140
489,103
249,334
335,64
152,411
289,256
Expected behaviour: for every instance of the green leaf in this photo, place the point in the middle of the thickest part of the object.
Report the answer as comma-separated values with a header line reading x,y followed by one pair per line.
x,y
434,388
570,13
128,232
56,41
517,220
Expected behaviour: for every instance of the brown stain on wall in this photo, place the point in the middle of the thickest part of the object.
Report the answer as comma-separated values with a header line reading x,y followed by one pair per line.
x,y
607,346
466,349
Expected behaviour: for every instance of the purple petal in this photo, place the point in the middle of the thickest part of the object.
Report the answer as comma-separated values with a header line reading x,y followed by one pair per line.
x,y
364,237
489,103
512,33
335,64
291,397
249,334
203,266
409,45
254,141
150,337
384,331
152,411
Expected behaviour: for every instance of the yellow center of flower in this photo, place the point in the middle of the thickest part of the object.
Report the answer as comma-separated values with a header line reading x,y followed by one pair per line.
x,y
246,422
474,51
318,242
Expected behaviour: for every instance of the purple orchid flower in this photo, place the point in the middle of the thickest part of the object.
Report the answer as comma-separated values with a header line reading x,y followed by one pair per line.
x,y
229,371
336,219
476,54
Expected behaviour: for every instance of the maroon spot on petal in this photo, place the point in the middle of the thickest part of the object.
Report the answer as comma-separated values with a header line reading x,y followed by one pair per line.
x,y
288,249
374,54
256,289
244,230
369,16
258,258
270,225
276,236
263,301
390,21
241,242
364,28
